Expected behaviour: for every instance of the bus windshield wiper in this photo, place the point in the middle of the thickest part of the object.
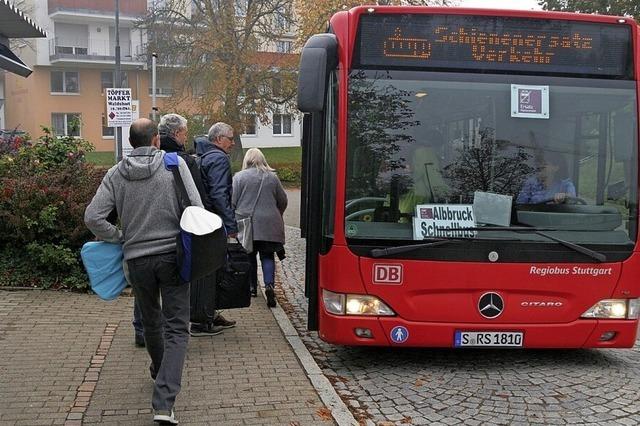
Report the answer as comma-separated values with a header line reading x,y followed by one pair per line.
x,y
403,249
576,247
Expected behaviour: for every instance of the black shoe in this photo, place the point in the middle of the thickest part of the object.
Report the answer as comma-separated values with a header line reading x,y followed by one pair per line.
x,y
271,297
254,292
198,330
153,372
139,341
221,321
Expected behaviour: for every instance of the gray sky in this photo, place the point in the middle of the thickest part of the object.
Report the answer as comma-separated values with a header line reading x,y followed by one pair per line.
x,y
501,4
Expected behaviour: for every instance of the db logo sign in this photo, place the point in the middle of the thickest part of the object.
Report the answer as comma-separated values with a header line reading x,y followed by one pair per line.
x,y
387,273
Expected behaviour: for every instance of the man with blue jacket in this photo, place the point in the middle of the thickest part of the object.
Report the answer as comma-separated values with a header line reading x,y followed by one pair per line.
x,y
215,168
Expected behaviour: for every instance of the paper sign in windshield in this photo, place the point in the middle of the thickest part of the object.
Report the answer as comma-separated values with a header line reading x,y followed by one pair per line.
x,y
443,221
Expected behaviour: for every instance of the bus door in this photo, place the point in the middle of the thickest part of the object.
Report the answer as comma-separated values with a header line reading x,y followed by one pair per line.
x,y
317,98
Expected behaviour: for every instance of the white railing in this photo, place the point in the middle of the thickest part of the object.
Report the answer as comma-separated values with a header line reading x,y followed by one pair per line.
x,y
90,49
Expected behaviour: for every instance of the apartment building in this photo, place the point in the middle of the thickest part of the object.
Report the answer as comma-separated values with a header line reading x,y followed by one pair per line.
x,y
73,66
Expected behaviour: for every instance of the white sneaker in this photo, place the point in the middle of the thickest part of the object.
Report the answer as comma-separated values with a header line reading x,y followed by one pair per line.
x,y
165,417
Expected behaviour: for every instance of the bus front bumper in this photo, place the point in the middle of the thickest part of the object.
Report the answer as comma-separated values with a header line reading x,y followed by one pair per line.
x,y
394,331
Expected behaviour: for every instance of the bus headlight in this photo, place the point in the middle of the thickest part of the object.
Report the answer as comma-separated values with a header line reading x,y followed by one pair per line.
x,y
354,304
614,309
358,304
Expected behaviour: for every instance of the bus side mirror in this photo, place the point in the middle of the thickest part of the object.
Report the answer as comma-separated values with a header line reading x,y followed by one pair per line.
x,y
319,56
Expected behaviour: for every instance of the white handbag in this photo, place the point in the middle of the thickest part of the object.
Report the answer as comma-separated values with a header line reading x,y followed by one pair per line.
x,y
245,225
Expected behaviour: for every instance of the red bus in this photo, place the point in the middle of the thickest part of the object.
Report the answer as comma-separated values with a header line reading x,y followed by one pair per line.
x,y
470,178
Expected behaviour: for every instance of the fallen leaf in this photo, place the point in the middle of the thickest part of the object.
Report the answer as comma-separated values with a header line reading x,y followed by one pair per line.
x,y
419,382
324,413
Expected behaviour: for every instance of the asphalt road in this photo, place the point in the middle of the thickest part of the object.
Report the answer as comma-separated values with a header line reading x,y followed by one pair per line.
x,y
292,214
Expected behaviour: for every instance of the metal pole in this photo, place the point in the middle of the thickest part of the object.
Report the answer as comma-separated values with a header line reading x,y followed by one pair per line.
x,y
118,82
154,108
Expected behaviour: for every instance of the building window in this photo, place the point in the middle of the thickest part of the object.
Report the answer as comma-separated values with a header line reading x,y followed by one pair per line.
x,y
281,124
250,128
107,78
64,82
66,124
107,131
283,46
281,20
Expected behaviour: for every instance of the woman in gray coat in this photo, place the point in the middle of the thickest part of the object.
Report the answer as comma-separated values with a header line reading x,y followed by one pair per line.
x,y
257,181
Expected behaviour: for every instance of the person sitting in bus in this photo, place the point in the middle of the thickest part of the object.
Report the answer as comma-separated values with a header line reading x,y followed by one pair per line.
x,y
550,185
426,172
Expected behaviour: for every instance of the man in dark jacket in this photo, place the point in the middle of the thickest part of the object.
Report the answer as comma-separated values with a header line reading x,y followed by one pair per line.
x,y
215,167
173,136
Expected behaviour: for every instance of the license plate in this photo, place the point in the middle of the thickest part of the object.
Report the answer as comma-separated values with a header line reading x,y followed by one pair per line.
x,y
488,339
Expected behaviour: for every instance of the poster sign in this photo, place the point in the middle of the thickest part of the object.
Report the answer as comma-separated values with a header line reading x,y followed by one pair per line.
x,y
529,101
118,107
443,221
135,114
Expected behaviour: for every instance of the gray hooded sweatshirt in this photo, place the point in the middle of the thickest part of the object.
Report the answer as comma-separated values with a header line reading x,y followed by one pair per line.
x,y
144,194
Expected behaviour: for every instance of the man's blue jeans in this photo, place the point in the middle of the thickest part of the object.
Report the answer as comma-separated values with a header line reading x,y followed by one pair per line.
x,y
166,325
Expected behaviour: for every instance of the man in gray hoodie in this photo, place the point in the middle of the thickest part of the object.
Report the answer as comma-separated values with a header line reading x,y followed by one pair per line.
x,y
142,190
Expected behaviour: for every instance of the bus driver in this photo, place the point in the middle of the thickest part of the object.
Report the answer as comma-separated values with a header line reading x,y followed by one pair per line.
x,y
550,184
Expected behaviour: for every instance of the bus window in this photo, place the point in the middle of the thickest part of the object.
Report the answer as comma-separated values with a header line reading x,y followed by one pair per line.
x,y
417,138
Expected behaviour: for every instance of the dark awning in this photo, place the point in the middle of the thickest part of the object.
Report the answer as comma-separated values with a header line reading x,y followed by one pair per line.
x,y
11,63
15,24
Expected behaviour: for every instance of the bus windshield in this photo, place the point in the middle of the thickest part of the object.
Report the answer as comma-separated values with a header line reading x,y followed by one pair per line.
x,y
555,153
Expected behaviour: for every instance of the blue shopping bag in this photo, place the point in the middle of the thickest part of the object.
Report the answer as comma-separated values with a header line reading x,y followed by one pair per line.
x,y
103,262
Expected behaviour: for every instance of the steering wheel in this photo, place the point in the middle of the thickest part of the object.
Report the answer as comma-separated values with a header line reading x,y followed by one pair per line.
x,y
365,215
575,200
567,200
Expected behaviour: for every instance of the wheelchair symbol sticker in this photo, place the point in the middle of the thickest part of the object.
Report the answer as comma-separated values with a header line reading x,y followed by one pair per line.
x,y
399,334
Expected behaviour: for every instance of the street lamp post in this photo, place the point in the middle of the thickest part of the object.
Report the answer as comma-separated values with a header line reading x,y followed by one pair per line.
x,y
118,82
154,108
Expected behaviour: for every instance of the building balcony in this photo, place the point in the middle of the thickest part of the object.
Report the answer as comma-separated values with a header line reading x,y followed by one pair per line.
x,y
128,9
96,51
162,92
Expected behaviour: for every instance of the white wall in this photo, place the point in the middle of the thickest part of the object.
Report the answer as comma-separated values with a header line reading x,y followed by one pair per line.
x,y
265,138
99,39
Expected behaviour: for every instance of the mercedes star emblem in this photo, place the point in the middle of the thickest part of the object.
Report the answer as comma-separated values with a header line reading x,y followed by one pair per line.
x,y
490,305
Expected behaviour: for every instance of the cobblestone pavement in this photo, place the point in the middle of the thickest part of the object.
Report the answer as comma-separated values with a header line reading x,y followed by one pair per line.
x,y
69,359
424,386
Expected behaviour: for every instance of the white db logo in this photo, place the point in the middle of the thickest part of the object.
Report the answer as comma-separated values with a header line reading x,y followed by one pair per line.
x,y
387,274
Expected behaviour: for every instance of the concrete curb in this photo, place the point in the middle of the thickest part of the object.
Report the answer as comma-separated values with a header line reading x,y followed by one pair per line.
x,y
327,393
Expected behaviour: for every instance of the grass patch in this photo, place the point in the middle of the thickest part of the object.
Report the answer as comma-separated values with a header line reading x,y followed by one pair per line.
x,y
106,158
287,162
282,155
273,155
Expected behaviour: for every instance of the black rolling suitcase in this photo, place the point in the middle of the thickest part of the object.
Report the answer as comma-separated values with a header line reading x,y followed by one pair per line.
x,y
203,299
233,288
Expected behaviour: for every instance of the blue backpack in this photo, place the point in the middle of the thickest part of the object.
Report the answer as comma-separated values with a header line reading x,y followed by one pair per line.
x,y
103,262
201,243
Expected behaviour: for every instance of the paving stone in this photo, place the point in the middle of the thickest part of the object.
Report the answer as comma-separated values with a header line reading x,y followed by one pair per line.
x,y
48,345
500,387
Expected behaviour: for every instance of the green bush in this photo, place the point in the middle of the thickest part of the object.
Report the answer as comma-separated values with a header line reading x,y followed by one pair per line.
x,y
45,188
289,173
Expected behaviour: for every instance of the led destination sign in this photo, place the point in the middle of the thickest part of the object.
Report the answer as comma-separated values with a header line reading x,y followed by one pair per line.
x,y
495,43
